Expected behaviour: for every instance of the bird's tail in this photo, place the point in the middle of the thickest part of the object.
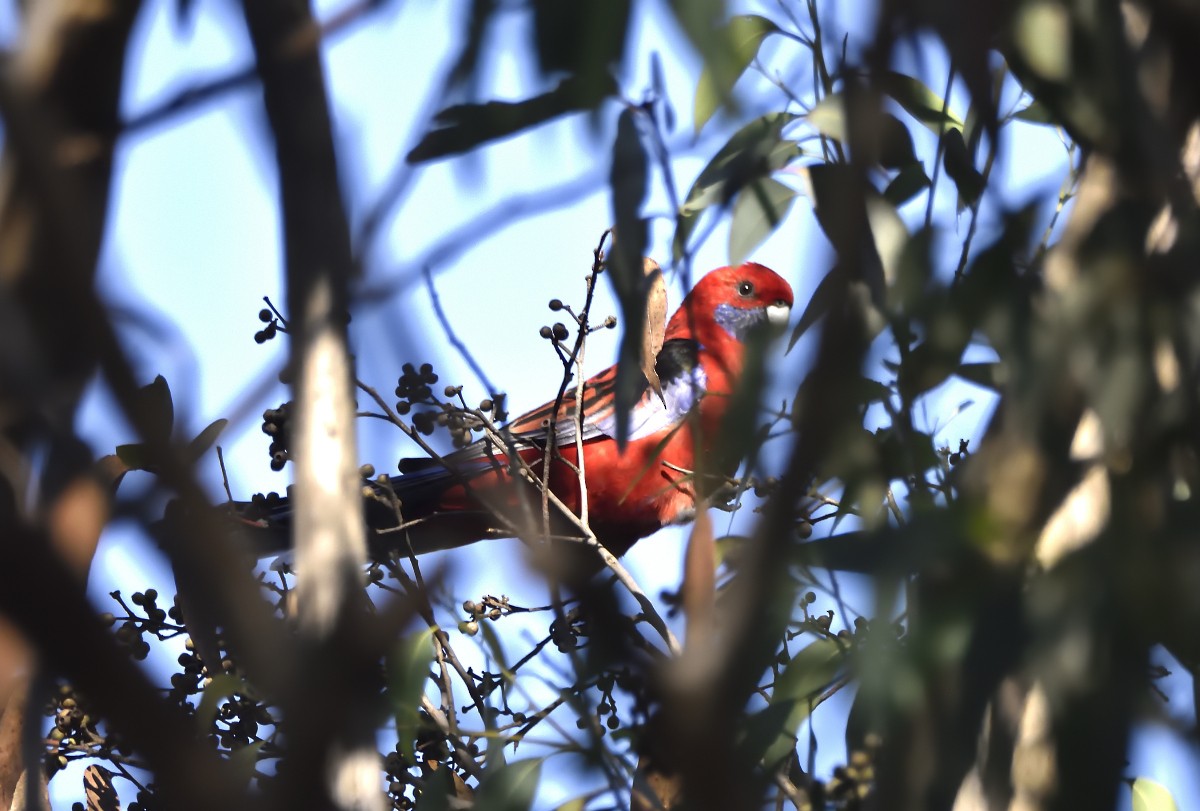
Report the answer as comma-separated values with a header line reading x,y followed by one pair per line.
x,y
418,512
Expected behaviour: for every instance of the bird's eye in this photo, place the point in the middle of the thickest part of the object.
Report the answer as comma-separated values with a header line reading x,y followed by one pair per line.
x,y
746,289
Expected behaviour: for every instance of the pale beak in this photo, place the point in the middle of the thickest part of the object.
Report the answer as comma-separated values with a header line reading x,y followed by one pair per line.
x,y
778,314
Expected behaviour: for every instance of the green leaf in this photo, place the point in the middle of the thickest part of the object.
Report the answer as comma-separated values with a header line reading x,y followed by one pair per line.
x,y
757,212
1042,35
206,439
462,127
910,181
828,117
888,231
220,688
244,761
894,142
756,150
730,549
510,787
1149,795
408,672
919,101
773,731
745,34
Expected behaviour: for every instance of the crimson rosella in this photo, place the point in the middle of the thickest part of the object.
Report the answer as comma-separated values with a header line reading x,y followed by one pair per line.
x,y
631,492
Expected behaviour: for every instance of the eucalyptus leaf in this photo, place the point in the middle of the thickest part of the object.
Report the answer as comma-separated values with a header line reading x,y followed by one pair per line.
x,y
408,672
818,304
206,438
219,688
960,168
773,731
155,409
919,101
629,181
757,212
1149,795
510,787
744,34
462,127
910,181
756,150
1035,113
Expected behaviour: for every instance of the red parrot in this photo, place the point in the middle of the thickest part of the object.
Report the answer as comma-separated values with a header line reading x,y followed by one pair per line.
x,y
632,492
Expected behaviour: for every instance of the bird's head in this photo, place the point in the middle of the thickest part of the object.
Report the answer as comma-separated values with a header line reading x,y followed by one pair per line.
x,y
730,301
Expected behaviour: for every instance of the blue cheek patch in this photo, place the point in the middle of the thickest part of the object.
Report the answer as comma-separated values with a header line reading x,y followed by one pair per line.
x,y
738,321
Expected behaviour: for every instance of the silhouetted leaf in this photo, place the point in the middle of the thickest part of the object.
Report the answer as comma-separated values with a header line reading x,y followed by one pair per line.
x,y
135,456
1035,113
463,127
582,37
860,552
757,212
818,305
155,410
745,34
660,91
904,454
864,229
910,181
206,439
928,365
989,375
960,168
628,181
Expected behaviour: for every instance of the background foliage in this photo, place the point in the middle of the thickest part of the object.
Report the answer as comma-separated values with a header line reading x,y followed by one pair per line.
x,y
1021,584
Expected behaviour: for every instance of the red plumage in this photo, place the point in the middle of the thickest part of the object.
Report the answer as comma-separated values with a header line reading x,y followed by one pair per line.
x,y
632,492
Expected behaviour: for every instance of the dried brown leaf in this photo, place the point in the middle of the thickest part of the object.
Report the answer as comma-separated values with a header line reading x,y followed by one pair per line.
x,y
655,325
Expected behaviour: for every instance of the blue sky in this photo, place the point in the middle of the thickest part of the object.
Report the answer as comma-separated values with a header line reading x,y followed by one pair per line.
x,y
193,246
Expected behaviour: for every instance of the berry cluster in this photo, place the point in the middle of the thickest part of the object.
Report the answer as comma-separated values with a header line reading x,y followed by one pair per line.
x,y
153,620
415,388
74,727
273,326
267,503
276,425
